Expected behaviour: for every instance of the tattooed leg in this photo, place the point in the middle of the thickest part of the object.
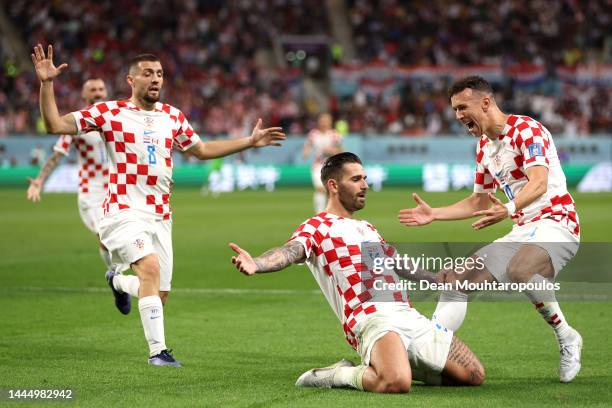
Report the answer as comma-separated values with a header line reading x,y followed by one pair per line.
x,y
462,366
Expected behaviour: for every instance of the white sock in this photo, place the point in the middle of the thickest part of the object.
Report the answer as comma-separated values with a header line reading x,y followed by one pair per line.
x,y
152,317
546,304
127,284
349,377
106,258
320,201
451,309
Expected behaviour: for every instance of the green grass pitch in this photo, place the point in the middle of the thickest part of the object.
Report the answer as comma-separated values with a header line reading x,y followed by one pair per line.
x,y
244,341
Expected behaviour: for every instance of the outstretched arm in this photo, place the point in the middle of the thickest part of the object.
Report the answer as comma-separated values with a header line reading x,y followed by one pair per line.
x,y
37,183
219,148
272,260
46,72
423,214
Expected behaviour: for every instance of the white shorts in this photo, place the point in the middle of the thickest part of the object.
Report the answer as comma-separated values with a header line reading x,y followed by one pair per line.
x,y
316,175
91,217
549,235
427,343
129,237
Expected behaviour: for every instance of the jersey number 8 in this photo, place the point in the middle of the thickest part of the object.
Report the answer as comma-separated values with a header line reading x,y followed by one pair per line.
x,y
152,158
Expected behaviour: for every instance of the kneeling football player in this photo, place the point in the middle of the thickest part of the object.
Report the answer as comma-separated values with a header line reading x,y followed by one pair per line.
x,y
395,342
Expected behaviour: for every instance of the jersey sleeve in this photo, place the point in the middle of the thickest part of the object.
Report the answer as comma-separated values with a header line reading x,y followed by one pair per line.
x,y
309,236
63,144
483,181
533,141
185,137
92,117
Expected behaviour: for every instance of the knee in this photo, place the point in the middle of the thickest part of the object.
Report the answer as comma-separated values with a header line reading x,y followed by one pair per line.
x,y
477,374
164,297
395,383
148,267
515,272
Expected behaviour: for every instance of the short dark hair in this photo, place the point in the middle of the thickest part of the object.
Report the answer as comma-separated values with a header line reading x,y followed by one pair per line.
x,y
139,58
332,167
474,82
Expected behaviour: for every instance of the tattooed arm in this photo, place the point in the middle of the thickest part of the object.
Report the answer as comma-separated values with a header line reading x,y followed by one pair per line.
x,y
272,260
37,183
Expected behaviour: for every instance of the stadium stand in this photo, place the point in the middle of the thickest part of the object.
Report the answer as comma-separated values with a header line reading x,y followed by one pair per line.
x,y
225,65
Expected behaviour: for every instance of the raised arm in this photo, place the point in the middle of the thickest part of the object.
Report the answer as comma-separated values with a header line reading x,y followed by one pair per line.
x,y
423,214
219,148
272,260
46,72
36,184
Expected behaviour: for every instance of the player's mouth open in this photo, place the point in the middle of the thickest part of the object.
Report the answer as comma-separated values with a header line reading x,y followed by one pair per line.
x,y
470,125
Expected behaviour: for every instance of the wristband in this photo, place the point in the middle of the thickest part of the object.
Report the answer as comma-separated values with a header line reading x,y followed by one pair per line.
x,y
511,207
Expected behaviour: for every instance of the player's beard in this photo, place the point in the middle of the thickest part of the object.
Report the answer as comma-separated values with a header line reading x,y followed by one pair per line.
x,y
351,202
94,100
150,99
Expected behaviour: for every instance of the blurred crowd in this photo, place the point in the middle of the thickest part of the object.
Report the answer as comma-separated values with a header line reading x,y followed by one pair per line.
x,y
216,56
221,66
460,33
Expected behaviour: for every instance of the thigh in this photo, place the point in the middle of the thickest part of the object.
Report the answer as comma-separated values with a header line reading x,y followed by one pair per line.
x,y
558,241
428,353
496,257
128,239
477,273
163,247
530,259
462,367
389,357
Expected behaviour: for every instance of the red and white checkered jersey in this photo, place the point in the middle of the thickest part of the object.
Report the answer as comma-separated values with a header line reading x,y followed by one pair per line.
x,y
139,147
322,141
333,247
502,163
93,166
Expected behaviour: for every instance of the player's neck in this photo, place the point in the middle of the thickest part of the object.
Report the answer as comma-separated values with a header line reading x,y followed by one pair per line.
x,y
338,209
141,104
496,125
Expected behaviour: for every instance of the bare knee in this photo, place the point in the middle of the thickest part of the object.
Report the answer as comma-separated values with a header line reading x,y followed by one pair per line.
x,y
394,383
478,374
462,366
147,267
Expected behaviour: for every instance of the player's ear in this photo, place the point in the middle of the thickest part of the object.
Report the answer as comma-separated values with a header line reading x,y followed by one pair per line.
x,y
332,186
486,103
130,79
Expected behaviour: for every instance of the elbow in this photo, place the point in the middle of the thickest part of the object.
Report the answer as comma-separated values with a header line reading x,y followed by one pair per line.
x,y
542,187
53,128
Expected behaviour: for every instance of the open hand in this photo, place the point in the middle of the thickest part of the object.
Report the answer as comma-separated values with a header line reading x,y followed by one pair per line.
x,y
243,261
422,214
266,137
493,215
45,69
34,190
